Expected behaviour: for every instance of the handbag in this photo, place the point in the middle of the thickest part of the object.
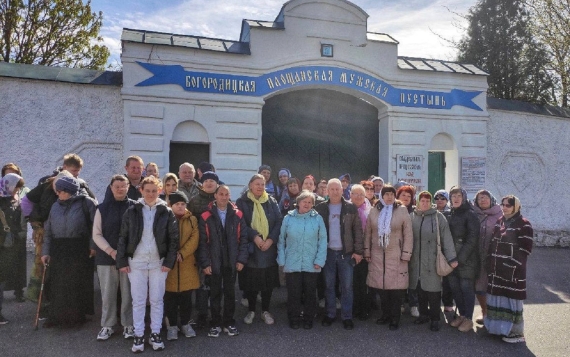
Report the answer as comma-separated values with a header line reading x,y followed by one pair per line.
x,y
442,266
8,238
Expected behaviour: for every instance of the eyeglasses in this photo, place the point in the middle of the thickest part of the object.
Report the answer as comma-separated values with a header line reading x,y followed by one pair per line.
x,y
506,205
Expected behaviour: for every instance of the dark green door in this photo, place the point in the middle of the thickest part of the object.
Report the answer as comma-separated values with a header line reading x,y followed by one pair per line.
x,y
436,171
320,132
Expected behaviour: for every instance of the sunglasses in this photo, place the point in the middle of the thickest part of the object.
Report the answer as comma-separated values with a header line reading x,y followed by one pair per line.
x,y
440,199
369,188
506,205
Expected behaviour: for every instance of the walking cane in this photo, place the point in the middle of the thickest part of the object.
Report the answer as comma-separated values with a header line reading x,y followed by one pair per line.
x,y
40,298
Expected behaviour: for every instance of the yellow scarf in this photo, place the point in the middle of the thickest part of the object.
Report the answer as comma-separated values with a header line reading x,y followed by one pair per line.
x,y
259,220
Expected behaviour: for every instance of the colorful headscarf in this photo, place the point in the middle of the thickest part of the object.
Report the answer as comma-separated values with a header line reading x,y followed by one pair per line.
x,y
8,184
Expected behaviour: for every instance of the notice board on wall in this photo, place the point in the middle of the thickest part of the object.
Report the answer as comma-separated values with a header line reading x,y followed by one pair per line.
x,y
473,172
410,169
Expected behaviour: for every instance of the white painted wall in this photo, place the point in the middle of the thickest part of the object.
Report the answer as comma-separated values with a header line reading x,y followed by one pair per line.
x,y
528,156
43,120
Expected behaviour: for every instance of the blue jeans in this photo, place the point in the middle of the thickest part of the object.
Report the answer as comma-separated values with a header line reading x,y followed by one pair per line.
x,y
463,291
338,263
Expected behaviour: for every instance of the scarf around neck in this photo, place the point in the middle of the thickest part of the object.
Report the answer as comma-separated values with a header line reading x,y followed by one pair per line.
x,y
384,229
259,219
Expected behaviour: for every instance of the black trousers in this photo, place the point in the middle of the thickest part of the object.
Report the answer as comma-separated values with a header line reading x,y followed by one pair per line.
x,y
362,294
432,299
173,302
223,285
251,297
391,302
301,286
446,294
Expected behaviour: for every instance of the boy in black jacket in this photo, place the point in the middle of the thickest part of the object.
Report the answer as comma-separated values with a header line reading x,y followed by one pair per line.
x,y
222,252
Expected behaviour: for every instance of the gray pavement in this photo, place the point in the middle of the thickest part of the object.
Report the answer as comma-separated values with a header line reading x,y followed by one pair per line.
x,y
547,324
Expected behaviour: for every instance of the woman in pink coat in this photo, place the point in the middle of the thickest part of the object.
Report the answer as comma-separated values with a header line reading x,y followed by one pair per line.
x,y
388,247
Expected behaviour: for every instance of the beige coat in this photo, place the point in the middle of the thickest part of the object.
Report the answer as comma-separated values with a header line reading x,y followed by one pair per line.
x,y
388,269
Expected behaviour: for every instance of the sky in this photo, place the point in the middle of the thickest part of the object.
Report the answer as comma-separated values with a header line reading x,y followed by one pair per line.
x,y
415,24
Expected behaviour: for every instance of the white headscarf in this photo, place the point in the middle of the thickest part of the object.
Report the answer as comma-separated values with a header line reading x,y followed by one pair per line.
x,y
8,184
384,221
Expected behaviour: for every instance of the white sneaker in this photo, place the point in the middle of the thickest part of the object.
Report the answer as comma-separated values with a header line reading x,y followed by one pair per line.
x,y
248,319
138,344
105,333
414,311
129,332
188,331
172,333
156,342
244,302
267,317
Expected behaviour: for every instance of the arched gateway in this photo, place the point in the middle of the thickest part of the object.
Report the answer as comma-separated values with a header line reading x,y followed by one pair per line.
x,y
313,91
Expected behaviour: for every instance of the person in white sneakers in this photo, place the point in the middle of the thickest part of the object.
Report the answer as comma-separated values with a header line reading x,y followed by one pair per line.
x,y
183,278
106,227
148,244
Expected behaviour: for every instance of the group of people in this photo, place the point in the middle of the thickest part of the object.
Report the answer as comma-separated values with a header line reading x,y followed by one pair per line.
x,y
159,242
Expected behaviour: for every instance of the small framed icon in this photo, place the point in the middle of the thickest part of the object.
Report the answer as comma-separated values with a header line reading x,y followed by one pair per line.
x,y
326,50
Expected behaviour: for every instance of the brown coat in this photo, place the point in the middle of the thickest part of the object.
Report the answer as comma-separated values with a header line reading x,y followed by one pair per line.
x,y
388,269
184,275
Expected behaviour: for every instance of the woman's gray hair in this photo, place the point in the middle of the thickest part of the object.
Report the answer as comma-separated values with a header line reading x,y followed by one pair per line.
x,y
304,194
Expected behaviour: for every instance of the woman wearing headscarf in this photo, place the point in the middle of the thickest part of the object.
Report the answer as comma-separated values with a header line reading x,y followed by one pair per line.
x,y
261,274
427,225
506,267
169,185
288,201
10,222
283,176
464,226
489,212
17,280
66,248
388,247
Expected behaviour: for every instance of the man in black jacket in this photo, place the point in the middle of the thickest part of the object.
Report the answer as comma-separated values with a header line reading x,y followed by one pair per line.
x,y
344,250
222,251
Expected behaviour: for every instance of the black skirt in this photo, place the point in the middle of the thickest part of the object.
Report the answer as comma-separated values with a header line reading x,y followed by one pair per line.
x,y
70,282
259,279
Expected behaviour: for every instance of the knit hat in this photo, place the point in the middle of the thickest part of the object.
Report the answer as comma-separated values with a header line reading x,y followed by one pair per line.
x,y
442,193
347,176
264,167
376,178
209,175
8,184
284,171
205,166
67,184
177,196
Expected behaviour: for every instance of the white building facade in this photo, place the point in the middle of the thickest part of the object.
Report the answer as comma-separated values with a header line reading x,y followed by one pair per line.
x,y
312,91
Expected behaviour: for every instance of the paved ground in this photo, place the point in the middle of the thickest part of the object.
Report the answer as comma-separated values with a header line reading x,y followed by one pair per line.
x,y
547,317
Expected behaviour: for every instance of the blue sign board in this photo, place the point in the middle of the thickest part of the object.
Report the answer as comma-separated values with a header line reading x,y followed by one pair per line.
x,y
204,82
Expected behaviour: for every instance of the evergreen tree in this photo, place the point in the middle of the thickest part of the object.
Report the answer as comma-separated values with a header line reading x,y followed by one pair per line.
x,y
51,33
499,41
